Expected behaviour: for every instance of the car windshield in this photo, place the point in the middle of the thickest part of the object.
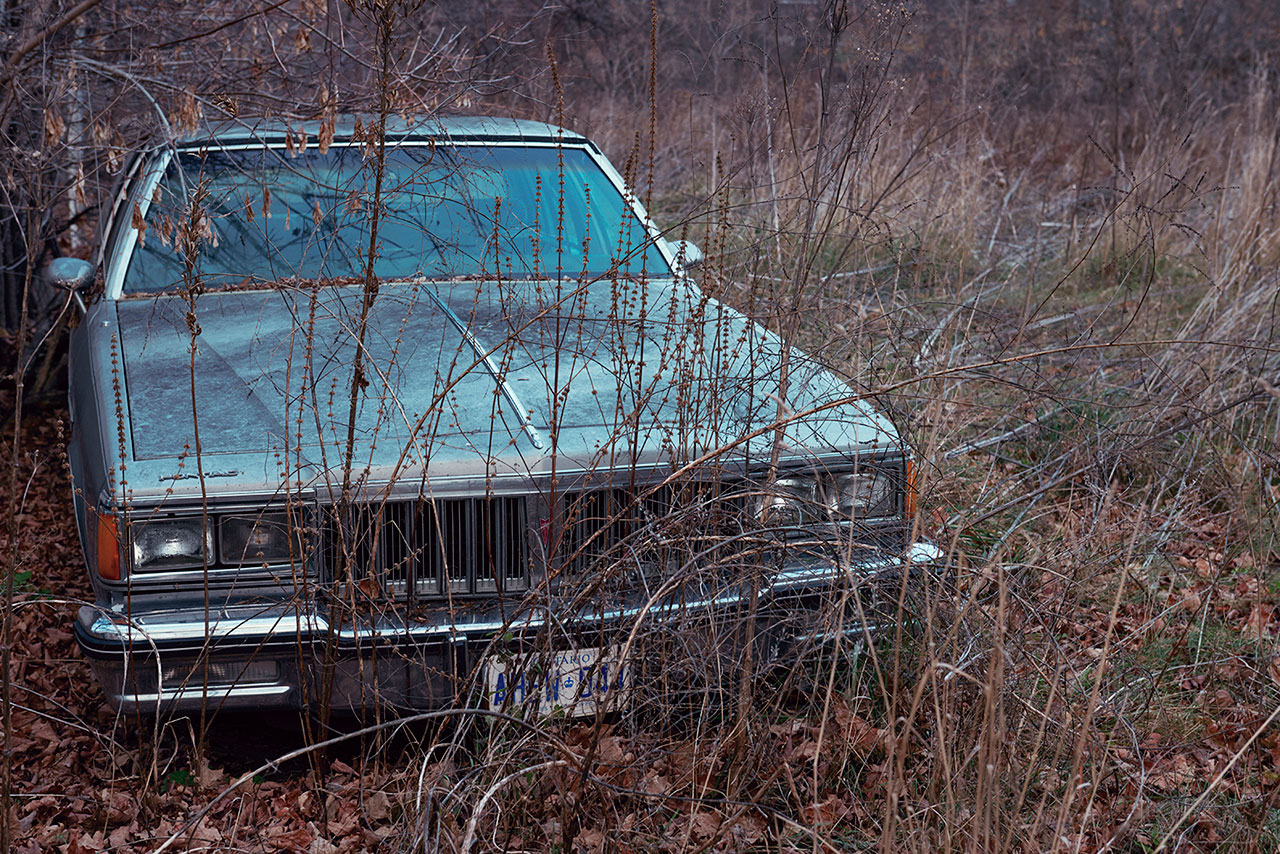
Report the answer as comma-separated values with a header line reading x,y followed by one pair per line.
x,y
257,216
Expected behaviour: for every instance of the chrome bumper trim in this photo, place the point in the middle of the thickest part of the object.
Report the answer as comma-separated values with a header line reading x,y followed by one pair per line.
x,y
214,693
162,627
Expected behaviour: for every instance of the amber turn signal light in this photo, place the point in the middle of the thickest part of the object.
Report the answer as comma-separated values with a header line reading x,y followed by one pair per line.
x,y
909,504
108,547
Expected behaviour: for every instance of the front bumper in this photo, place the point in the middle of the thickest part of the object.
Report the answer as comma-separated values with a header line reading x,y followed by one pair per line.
x,y
291,656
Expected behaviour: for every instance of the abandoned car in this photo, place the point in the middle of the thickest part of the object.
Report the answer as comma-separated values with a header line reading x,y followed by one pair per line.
x,y
433,413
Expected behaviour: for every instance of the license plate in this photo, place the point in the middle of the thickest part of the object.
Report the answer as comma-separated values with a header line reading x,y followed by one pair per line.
x,y
578,682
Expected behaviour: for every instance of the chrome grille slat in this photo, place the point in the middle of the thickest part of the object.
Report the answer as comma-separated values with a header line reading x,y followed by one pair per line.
x,y
457,550
648,525
431,558
513,562
424,548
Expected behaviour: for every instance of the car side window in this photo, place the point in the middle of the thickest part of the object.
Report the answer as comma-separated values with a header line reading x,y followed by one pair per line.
x,y
114,221
121,233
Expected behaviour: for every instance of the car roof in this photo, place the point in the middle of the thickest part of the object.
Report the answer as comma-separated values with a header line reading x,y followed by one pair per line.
x,y
345,126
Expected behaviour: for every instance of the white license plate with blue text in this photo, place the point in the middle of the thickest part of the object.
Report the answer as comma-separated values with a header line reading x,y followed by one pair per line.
x,y
578,681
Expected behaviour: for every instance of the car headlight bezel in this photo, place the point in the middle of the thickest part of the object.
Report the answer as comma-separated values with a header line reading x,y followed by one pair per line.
x,y
787,502
867,494
863,493
170,544
151,547
255,539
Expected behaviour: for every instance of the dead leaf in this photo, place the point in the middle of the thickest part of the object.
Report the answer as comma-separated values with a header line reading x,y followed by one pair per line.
x,y
91,842
54,127
322,846
703,825
41,731
377,807
863,736
826,813
1259,618
119,807
804,751
325,136
590,841
610,751
1175,774
656,784
120,836
747,831
139,224
293,840
207,776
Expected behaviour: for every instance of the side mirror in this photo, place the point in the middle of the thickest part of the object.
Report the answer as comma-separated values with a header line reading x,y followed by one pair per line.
x,y
73,275
687,254
69,274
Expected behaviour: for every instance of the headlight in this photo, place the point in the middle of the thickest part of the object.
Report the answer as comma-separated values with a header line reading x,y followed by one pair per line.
x,y
256,539
787,501
170,544
829,497
865,495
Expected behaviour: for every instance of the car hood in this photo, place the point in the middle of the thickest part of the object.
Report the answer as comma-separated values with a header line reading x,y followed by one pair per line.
x,y
459,380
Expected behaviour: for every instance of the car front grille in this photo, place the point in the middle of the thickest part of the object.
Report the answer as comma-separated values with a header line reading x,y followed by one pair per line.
x,y
423,548
649,526
426,548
